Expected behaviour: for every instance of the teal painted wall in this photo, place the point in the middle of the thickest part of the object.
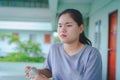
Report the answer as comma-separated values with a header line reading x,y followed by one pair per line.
x,y
100,11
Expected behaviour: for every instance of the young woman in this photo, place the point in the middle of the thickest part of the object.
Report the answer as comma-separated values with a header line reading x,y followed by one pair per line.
x,y
74,58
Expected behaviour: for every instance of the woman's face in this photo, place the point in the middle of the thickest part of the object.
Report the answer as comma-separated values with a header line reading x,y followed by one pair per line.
x,y
68,30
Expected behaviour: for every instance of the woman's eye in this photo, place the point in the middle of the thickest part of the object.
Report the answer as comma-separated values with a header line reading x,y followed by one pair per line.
x,y
69,25
59,26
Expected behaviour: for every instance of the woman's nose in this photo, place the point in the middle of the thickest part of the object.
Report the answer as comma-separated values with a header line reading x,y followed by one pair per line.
x,y
63,29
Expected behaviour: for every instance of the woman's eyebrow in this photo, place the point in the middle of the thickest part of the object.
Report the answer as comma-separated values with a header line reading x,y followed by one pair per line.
x,y
68,23
65,23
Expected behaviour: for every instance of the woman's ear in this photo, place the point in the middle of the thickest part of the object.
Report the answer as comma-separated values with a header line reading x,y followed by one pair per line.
x,y
81,27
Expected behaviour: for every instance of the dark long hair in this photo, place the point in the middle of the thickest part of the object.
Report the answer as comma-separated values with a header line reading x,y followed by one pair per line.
x,y
77,17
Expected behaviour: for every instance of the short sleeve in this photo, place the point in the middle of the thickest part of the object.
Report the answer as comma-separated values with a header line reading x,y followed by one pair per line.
x,y
94,66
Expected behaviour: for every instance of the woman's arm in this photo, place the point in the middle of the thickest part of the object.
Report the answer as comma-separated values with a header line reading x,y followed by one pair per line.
x,y
46,72
93,67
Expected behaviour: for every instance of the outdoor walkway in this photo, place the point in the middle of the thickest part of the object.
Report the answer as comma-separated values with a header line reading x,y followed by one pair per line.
x,y
15,71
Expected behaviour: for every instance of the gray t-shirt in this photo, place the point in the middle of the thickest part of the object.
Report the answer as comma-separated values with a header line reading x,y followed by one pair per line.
x,y
84,65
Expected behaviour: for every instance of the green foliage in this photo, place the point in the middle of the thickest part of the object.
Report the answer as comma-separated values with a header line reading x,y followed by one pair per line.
x,y
24,50
17,57
3,35
29,48
13,38
21,57
56,39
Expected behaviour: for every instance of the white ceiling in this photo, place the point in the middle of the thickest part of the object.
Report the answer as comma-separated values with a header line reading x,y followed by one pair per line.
x,y
36,14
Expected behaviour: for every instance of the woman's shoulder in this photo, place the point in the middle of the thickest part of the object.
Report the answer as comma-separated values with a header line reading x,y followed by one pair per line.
x,y
88,47
55,48
91,54
93,51
56,45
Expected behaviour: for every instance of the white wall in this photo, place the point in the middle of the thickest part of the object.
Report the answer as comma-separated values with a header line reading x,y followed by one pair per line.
x,y
24,36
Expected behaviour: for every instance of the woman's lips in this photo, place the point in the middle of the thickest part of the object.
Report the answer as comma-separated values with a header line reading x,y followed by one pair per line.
x,y
63,35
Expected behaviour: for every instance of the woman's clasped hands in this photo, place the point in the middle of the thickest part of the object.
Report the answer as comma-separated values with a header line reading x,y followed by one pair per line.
x,y
34,74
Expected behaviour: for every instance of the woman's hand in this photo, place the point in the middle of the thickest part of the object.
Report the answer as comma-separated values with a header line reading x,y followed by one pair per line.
x,y
27,70
32,73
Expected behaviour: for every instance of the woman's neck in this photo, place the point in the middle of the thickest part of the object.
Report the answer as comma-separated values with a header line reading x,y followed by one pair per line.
x,y
73,48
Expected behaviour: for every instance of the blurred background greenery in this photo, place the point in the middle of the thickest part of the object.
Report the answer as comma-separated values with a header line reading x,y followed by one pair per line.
x,y
26,51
